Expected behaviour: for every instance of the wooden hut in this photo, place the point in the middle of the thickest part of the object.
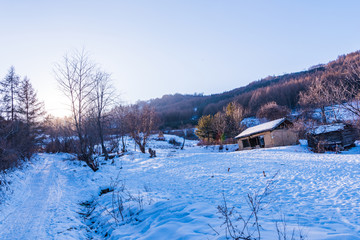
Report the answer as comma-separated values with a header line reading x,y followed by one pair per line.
x,y
332,137
270,134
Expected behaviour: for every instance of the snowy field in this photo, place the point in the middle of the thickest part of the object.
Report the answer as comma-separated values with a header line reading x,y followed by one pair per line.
x,y
176,194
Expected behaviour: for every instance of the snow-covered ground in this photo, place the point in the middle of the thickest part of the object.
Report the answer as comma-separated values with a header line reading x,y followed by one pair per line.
x,y
176,194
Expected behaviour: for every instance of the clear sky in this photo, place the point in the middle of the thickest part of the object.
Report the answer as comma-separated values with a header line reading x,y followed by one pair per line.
x,y
153,48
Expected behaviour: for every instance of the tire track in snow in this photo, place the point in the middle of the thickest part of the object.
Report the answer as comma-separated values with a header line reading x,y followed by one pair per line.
x,y
42,208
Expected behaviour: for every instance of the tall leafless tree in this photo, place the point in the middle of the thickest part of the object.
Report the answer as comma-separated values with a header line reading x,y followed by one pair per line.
x,y
346,91
219,125
75,76
103,98
120,116
316,97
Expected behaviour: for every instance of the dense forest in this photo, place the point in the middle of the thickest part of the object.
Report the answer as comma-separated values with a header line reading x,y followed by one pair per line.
x,y
178,109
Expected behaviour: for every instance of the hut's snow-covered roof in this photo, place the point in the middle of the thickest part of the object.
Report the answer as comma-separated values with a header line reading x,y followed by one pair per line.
x,y
328,128
261,128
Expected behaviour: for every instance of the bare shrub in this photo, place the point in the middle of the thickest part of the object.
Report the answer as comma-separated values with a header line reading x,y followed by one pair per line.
x,y
272,111
113,145
4,186
16,144
284,233
248,226
239,226
302,126
173,141
206,142
122,206
152,153
160,137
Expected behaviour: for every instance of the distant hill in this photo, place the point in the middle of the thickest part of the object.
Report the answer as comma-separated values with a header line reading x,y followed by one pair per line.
x,y
180,109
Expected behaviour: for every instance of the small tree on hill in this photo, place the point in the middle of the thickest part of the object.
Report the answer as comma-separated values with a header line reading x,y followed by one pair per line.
x,y
219,126
205,127
234,114
316,97
272,111
344,90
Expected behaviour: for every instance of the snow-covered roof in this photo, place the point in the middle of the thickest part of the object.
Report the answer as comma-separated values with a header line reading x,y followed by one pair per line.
x,y
328,128
261,128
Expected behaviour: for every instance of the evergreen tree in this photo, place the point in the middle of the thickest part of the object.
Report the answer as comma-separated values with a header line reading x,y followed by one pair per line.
x,y
30,109
9,88
205,128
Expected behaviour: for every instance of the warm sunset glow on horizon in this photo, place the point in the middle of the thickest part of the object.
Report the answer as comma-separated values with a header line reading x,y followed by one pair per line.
x,y
160,47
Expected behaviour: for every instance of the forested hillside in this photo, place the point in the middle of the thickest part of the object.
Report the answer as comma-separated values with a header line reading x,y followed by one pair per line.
x,y
178,109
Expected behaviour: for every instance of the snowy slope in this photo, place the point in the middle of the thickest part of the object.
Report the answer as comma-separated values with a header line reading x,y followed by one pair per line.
x,y
180,191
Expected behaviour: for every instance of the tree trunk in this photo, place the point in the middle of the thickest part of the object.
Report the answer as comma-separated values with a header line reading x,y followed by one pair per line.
x,y
101,135
85,155
323,115
142,148
92,165
105,152
183,144
123,144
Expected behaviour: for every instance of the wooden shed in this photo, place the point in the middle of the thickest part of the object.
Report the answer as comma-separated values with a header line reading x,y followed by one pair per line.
x,y
332,136
266,135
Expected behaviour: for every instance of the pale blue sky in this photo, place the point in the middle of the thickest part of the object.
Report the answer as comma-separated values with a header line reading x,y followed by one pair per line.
x,y
160,47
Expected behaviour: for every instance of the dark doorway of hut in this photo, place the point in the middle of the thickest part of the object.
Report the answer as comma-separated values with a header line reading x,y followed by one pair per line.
x,y
257,142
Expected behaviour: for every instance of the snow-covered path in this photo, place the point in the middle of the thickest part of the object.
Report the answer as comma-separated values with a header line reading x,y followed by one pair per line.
x,y
45,203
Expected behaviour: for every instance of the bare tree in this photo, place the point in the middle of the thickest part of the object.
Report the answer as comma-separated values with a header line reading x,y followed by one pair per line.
x,y
141,121
75,76
186,131
219,125
119,115
316,97
272,111
103,97
345,91
234,113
